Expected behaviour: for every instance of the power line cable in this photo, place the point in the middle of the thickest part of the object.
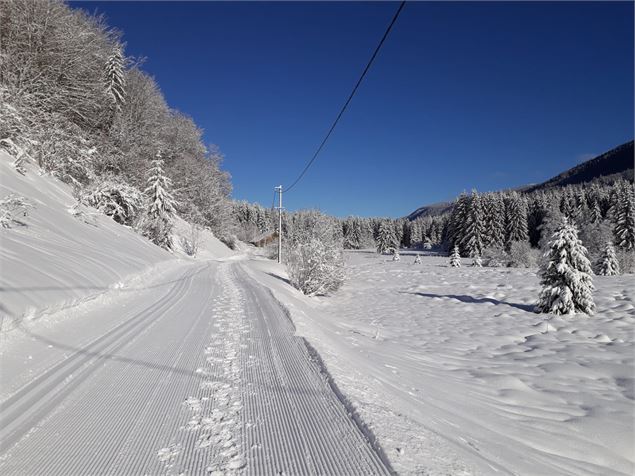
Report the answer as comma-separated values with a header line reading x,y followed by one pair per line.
x,y
359,81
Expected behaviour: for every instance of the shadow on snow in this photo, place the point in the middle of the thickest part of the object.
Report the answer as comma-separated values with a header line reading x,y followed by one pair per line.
x,y
472,300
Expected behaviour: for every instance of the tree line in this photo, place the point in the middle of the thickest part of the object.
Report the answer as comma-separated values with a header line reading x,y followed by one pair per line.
x,y
508,228
494,229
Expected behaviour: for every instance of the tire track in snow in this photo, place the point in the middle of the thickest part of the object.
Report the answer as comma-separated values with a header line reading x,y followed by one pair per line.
x,y
293,423
27,406
209,442
27,410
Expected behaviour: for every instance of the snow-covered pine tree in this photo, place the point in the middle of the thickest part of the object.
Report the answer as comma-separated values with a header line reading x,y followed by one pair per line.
x,y
494,212
455,257
608,265
516,219
614,200
595,213
416,237
624,217
567,203
456,230
115,81
352,233
366,232
581,205
473,238
598,197
261,221
497,221
417,259
157,224
567,285
406,236
398,233
537,208
385,237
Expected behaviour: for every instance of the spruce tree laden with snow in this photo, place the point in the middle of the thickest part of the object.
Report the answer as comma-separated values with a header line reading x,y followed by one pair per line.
x,y
456,227
494,212
537,210
157,224
386,237
608,265
455,257
595,213
624,217
115,81
398,234
416,237
473,227
406,238
352,231
261,221
567,285
567,204
516,219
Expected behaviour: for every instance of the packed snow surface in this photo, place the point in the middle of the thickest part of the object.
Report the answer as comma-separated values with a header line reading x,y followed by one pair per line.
x,y
197,373
119,358
454,373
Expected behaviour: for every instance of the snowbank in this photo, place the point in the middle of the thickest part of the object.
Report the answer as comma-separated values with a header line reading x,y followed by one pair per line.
x,y
57,259
454,373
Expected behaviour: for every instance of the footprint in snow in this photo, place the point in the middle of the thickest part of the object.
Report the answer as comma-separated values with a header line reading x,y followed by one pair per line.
x,y
204,441
237,463
166,455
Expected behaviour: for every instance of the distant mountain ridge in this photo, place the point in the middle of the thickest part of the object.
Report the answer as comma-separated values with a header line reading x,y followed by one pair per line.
x,y
617,162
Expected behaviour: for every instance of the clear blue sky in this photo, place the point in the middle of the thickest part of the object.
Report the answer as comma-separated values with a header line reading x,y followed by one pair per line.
x,y
463,95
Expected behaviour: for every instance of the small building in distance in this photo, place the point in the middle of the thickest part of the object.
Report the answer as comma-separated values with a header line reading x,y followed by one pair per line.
x,y
265,238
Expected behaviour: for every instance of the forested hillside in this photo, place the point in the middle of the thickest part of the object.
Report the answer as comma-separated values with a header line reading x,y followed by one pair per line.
x,y
606,168
73,102
509,228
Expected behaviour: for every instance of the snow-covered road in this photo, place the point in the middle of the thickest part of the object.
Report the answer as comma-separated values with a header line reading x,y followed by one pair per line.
x,y
197,373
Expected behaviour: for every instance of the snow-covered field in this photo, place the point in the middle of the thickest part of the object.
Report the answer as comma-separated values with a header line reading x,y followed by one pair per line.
x,y
454,374
448,368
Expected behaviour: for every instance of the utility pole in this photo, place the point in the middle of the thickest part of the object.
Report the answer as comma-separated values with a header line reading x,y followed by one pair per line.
x,y
279,207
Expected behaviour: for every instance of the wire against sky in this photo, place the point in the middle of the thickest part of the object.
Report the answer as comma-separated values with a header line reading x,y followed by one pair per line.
x,y
359,81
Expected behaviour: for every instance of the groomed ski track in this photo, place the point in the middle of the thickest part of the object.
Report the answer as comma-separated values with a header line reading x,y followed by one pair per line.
x,y
202,375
